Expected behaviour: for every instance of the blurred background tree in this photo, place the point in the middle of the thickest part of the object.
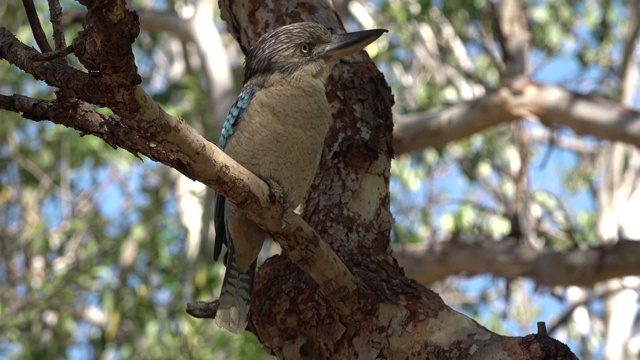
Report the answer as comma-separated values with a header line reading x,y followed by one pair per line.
x,y
101,251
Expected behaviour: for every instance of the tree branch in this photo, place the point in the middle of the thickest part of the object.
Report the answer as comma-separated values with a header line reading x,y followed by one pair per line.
x,y
551,104
55,16
580,267
584,114
36,28
417,131
73,82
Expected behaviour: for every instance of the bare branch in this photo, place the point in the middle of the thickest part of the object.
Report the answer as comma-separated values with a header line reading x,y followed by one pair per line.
x,y
584,114
74,83
166,22
552,105
566,314
582,267
55,13
57,54
36,28
203,309
197,29
417,131
575,144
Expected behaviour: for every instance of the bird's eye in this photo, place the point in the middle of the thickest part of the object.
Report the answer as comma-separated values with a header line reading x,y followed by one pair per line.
x,y
305,49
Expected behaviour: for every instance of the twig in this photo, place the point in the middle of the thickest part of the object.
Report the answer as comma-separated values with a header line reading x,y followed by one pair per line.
x,y
203,309
542,329
52,55
55,16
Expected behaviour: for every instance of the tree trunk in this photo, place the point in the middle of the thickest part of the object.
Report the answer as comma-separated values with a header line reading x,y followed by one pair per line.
x,y
382,314
619,198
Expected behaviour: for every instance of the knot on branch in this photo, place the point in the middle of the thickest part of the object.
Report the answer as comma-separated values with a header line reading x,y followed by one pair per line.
x,y
104,46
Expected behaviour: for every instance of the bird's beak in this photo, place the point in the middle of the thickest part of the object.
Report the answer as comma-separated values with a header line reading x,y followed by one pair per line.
x,y
349,43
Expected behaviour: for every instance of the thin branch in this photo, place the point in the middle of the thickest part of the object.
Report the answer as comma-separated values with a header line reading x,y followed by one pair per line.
x,y
75,83
57,54
69,113
488,44
554,139
55,16
566,315
45,181
452,40
36,28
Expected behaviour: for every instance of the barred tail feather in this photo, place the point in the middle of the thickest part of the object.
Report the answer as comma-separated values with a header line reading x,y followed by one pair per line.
x,y
235,297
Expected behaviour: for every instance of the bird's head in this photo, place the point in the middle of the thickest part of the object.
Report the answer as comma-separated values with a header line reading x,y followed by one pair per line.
x,y
303,49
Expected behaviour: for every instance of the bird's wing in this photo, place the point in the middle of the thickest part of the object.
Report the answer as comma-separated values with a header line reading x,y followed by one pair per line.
x,y
230,124
235,114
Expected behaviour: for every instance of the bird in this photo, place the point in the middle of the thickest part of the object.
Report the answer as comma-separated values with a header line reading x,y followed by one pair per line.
x,y
276,129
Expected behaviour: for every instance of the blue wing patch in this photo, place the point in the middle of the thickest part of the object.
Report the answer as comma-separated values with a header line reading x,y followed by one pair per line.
x,y
230,124
235,113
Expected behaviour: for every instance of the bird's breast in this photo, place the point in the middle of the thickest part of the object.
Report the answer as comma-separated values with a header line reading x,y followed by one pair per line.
x,y
281,136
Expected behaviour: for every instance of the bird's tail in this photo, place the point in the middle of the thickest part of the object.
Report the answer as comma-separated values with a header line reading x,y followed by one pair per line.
x,y
235,297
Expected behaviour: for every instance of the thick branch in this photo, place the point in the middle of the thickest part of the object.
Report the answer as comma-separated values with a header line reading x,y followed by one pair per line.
x,y
199,30
73,82
552,105
582,267
584,114
417,131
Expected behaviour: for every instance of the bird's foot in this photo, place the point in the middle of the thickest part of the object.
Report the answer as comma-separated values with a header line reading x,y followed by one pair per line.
x,y
276,190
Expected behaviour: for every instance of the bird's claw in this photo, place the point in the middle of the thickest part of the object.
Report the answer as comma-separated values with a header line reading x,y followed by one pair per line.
x,y
276,190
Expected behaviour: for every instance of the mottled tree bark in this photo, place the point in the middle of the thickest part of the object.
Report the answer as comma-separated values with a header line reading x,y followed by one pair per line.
x,y
386,315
